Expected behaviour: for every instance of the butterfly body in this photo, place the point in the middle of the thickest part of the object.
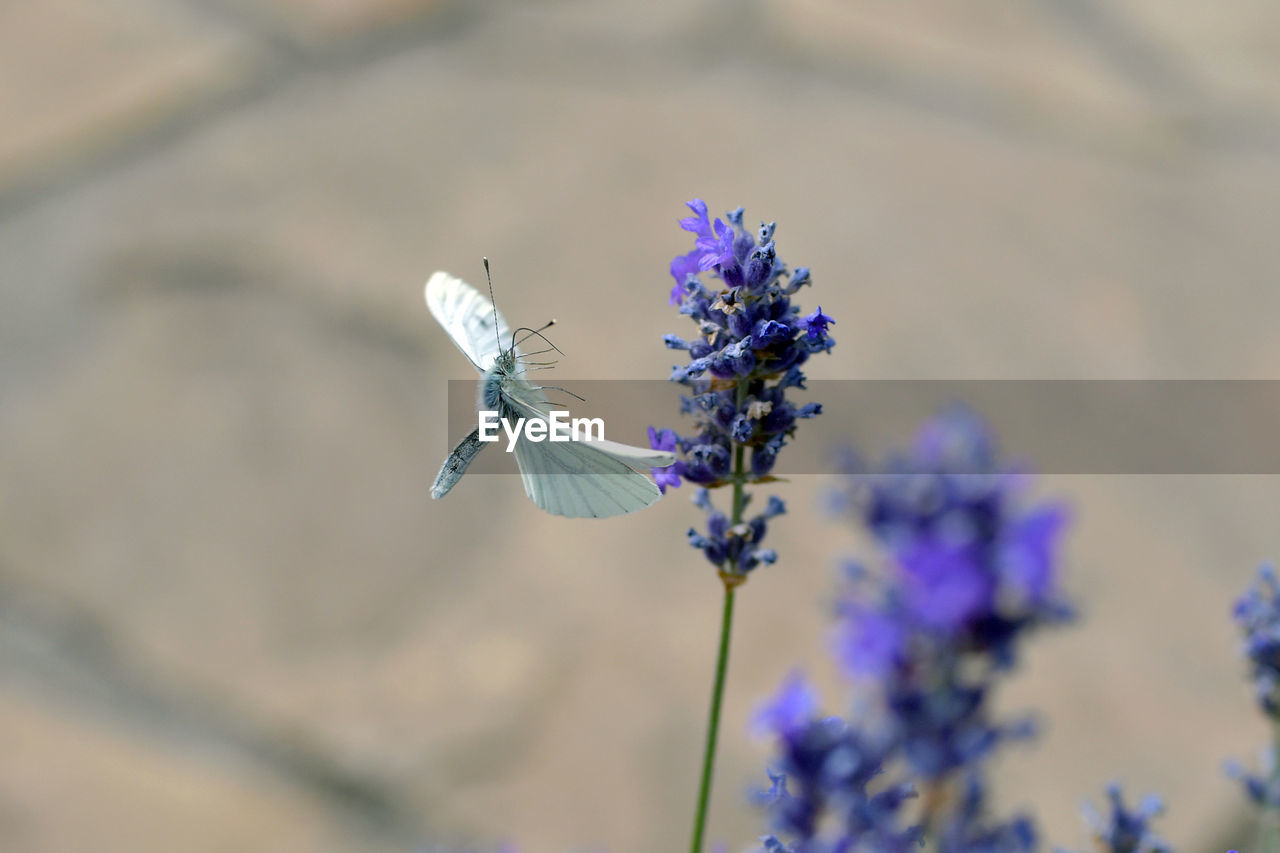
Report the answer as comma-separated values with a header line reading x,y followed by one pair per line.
x,y
564,476
503,381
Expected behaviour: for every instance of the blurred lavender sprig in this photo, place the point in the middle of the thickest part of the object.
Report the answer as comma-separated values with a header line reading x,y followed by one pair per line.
x,y
1257,615
970,568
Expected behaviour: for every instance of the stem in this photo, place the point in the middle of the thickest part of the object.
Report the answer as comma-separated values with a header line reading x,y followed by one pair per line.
x,y
713,721
731,581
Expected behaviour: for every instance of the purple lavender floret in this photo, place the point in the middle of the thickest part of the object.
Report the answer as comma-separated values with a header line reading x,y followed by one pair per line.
x,y
664,440
826,792
735,547
1257,614
790,709
1124,830
751,343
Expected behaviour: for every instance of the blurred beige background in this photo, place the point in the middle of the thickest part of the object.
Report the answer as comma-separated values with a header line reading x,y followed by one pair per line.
x,y
231,618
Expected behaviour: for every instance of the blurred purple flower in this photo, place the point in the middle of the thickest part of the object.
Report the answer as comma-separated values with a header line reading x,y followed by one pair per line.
x,y
968,571
1125,830
794,705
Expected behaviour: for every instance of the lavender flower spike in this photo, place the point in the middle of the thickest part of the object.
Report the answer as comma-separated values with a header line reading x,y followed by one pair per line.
x,y
751,343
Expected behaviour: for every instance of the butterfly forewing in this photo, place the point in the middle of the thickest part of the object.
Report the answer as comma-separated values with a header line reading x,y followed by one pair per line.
x,y
468,317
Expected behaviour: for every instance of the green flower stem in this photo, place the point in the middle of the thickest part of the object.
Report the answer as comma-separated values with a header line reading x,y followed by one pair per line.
x,y
731,581
713,722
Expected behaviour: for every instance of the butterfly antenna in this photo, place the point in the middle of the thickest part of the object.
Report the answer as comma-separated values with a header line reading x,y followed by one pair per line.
x,y
494,303
533,332
538,333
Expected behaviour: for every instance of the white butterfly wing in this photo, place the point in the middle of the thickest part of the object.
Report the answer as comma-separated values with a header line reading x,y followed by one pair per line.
x,y
574,479
580,479
636,457
468,317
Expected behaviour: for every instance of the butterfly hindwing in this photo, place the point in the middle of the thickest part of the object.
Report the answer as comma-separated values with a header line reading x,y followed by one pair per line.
x,y
581,479
574,479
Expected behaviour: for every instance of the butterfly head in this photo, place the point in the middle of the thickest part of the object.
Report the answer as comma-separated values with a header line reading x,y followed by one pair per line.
x,y
491,386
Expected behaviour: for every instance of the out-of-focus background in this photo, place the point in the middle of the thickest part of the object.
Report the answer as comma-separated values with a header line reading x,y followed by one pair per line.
x,y
231,618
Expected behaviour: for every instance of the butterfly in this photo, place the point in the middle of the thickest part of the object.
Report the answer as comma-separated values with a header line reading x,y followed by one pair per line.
x,y
577,478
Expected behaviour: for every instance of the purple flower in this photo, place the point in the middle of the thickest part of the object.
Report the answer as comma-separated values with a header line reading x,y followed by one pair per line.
x,y
868,642
1262,789
815,325
1027,555
1124,830
967,558
794,705
819,797
682,267
1257,615
698,224
669,476
967,571
945,585
718,249
751,343
734,547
